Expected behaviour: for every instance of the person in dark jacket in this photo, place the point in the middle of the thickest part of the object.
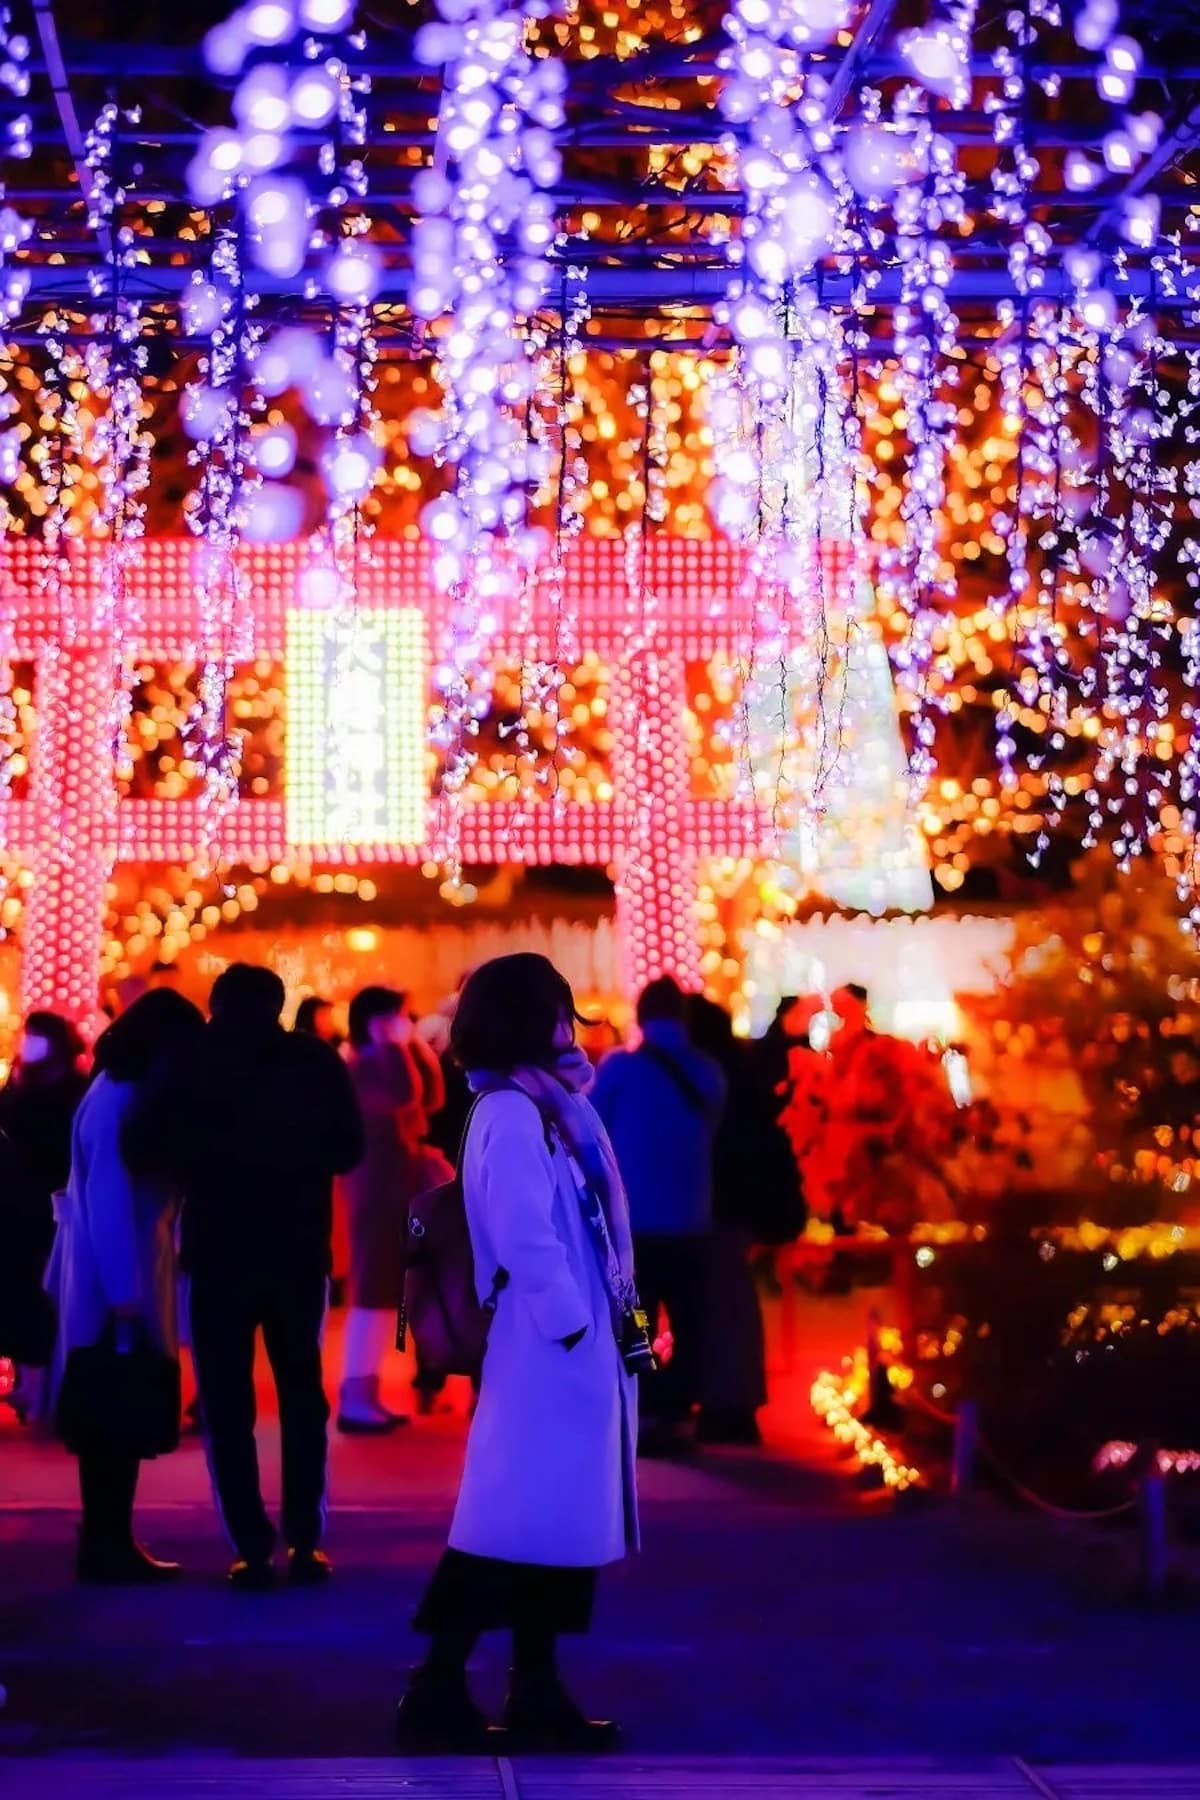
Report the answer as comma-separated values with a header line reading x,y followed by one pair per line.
x,y
37,1111
272,1119
756,1200
661,1105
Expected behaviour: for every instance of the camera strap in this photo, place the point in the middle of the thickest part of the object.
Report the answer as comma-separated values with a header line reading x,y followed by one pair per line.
x,y
622,1294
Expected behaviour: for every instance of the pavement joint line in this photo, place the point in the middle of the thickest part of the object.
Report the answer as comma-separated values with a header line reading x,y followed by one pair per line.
x,y
509,1785
1035,1781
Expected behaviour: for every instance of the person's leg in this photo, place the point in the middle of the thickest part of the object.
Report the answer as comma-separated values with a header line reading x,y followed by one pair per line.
x,y
541,1715
448,1655
665,1402
292,1320
107,1483
108,1551
436,1712
648,1262
682,1276
427,1385
733,1379
369,1333
223,1315
535,1653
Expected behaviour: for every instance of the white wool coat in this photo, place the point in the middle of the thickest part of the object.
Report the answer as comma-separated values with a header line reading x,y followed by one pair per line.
x,y
551,1469
116,1233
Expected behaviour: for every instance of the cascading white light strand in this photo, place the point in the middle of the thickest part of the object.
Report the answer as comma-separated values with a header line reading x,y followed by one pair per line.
x,y
925,327
788,440
122,442
780,146
767,412
481,268
553,418
219,415
16,140
298,92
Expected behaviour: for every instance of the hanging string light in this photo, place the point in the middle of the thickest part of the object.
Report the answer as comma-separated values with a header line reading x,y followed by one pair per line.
x,y
122,442
481,247
16,141
218,415
553,422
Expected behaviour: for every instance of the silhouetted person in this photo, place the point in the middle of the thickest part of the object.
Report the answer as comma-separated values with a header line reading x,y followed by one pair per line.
x,y
661,1105
113,1267
272,1118
398,1082
772,1056
756,1200
37,1110
314,1018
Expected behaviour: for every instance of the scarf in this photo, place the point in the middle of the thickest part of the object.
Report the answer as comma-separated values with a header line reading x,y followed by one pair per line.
x,y
560,1095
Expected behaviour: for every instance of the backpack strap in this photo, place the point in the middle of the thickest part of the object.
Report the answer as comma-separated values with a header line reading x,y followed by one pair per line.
x,y
678,1076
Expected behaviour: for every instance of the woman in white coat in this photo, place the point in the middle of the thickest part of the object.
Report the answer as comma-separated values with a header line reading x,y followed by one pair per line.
x,y
114,1255
548,1494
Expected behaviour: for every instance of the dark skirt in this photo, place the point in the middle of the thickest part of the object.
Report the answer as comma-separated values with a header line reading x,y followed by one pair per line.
x,y
480,1593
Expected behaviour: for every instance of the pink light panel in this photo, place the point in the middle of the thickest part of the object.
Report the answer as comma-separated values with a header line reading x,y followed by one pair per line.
x,y
651,836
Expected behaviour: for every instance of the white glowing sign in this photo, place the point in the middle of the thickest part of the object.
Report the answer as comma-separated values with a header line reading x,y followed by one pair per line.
x,y
356,685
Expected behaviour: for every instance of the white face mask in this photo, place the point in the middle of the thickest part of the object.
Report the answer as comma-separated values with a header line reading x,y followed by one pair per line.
x,y
34,1049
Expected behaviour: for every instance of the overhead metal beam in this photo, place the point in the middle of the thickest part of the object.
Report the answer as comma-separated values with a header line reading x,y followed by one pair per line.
x,y
56,72
117,58
871,28
1183,136
630,127
634,287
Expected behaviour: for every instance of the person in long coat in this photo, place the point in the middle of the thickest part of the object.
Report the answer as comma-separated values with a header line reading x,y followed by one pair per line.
x,y
114,1256
398,1083
549,1491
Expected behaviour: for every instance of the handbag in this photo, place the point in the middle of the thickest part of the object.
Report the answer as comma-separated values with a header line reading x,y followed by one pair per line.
x,y
122,1394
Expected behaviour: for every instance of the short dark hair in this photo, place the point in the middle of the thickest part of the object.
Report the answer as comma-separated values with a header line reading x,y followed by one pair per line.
x,y
509,1012
61,1035
710,1028
159,1028
247,994
373,1003
662,999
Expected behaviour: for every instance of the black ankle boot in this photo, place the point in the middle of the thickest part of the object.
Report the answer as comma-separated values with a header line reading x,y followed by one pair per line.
x,y
541,1716
121,1565
437,1717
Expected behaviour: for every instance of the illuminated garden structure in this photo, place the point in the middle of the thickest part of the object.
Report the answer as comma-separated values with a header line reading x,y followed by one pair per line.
x,y
357,788
676,334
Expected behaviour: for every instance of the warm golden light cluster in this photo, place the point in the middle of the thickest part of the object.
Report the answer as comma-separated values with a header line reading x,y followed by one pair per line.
x,y
155,915
532,748
838,1400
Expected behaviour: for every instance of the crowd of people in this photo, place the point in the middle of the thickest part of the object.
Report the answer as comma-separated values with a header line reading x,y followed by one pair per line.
x,y
185,1189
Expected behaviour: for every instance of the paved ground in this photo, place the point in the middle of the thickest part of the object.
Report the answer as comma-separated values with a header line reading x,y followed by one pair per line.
x,y
812,1778
777,1614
